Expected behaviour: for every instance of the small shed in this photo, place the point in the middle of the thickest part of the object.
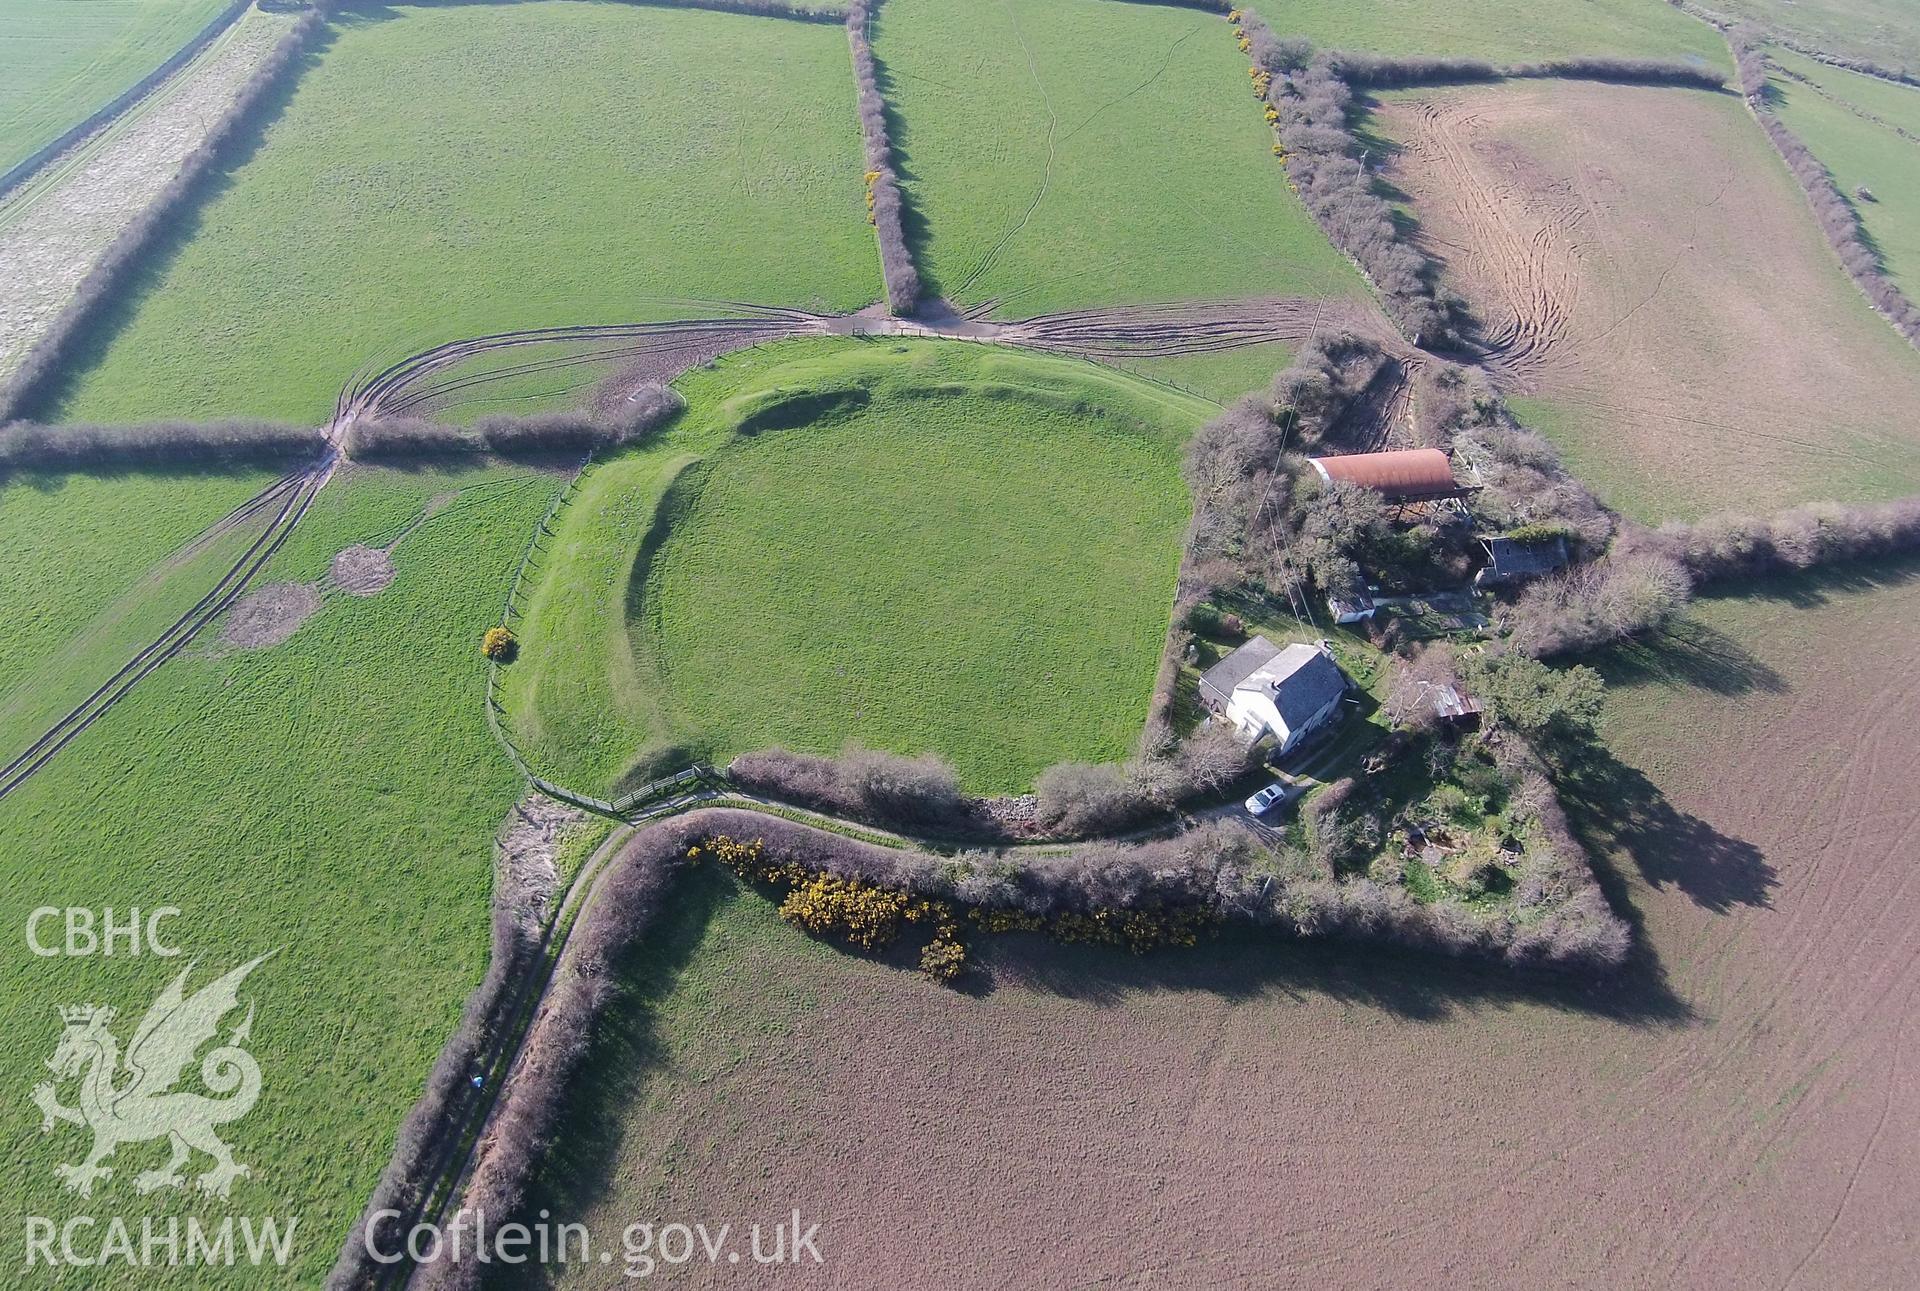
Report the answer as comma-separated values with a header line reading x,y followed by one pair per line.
x,y
1351,608
1454,706
1516,562
1402,475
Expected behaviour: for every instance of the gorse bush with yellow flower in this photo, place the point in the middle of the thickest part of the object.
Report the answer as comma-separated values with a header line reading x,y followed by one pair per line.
x,y
871,916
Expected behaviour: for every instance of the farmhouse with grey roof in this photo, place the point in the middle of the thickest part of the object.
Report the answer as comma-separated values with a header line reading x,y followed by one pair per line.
x,y
1266,690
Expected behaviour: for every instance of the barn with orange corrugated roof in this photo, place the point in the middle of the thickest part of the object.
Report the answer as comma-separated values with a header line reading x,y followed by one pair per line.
x,y
1402,475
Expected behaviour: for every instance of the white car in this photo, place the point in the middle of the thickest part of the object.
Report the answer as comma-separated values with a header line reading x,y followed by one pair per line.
x,y
1260,802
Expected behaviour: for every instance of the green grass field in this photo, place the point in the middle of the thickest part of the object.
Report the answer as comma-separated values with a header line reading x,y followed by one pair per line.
x,y
90,594
332,798
1223,376
1503,30
985,573
1879,31
1061,154
61,60
554,163
1853,124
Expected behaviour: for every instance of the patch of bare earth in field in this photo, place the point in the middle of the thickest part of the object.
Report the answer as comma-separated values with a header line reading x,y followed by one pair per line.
x,y
361,570
54,229
1741,1109
1649,274
269,615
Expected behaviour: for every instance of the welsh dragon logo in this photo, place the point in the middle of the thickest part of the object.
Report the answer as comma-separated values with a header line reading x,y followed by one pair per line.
x,y
133,1099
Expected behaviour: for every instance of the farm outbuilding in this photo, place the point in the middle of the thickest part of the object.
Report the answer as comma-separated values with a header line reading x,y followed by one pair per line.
x,y
1402,475
1264,689
1352,607
1515,562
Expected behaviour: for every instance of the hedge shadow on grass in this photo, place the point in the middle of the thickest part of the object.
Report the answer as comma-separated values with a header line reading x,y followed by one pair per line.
x,y
1813,588
51,479
123,298
915,229
1687,652
627,1047
1242,964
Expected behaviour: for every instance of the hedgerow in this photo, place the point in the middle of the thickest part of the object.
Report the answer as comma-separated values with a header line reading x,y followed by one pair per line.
x,y
886,207
1737,545
517,905
1074,800
862,784
1379,71
1310,103
1309,100
645,410
1835,214
1523,482
1328,376
29,445
764,9
123,254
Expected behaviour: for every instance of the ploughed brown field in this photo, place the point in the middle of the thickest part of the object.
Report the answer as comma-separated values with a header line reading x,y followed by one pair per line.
x,y
1654,285
1741,1109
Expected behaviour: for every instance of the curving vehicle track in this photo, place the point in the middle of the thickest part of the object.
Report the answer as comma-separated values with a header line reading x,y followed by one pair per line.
x,y
284,503
423,381
1528,259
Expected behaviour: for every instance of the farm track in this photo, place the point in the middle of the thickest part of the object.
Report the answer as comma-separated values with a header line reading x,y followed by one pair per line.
x,y
462,1130
294,493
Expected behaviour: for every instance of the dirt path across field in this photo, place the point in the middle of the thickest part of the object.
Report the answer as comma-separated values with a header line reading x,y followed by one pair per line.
x,y
54,228
445,375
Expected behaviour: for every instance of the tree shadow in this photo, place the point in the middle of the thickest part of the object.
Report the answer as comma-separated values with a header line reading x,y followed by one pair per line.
x,y
1689,653
1617,809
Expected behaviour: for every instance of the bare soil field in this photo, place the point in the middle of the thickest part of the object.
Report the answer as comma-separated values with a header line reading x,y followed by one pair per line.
x,y
1741,1110
1653,283
54,229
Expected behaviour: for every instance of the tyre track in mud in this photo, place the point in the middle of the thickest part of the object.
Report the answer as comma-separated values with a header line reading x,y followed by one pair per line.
x,y
1533,272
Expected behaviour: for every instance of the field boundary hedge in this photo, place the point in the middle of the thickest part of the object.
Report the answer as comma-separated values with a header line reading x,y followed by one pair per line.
x,y
127,249
22,170
1835,215
1377,71
1165,877
753,8
1308,106
1786,40
517,938
649,407
1309,100
886,205
33,446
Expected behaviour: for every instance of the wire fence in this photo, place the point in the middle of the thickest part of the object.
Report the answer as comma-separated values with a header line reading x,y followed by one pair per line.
x,y
543,529
658,797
